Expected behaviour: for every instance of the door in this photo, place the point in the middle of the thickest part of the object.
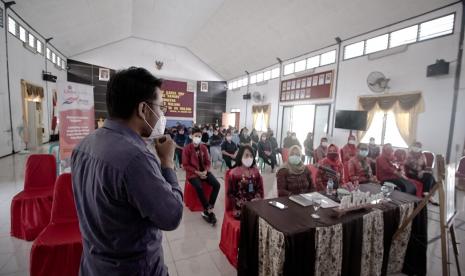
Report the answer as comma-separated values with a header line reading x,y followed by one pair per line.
x,y
6,145
286,124
321,124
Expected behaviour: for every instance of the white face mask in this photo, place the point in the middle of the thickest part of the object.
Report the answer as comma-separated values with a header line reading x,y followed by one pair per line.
x,y
324,144
294,159
196,140
247,161
352,142
363,153
159,129
416,149
372,143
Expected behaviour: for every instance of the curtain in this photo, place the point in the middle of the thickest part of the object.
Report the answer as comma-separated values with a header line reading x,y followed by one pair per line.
x,y
257,110
370,115
405,107
29,92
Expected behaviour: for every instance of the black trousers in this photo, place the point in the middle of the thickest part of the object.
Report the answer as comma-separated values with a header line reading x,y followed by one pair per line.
x,y
427,180
211,180
228,161
404,185
178,153
270,160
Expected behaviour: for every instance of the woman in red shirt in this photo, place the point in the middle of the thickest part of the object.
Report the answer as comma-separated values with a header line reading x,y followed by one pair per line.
x,y
349,150
336,170
387,171
359,166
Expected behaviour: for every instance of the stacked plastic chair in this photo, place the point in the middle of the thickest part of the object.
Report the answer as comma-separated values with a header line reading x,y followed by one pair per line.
x,y
58,248
230,230
191,200
31,208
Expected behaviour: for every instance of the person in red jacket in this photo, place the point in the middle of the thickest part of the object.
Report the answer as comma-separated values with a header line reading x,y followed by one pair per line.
x,y
359,167
330,168
196,162
349,150
386,171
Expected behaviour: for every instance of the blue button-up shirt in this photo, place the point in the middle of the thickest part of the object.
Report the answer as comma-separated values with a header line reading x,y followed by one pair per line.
x,y
123,199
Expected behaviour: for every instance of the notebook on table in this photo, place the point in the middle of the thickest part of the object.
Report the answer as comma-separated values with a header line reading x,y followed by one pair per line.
x,y
307,200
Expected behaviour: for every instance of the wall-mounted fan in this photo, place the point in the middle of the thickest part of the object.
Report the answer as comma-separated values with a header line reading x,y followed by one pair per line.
x,y
377,82
257,97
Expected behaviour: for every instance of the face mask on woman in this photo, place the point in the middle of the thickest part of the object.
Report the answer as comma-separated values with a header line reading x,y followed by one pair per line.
x,y
196,140
416,149
363,153
324,144
352,142
294,159
247,161
332,155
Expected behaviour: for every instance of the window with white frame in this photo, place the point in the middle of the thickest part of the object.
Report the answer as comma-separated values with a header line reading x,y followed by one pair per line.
x,y
376,44
300,65
289,69
275,73
234,85
230,86
384,123
403,36
39,47
54,58
235,110
59,61
354,50
48,54
259,77
22,34
12,26
253,79
436,27
313,62
245,81
31,41
63,64
328,58
267,75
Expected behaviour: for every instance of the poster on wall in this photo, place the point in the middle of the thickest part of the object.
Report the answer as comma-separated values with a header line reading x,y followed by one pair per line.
x,y
76,117
179,102
315,86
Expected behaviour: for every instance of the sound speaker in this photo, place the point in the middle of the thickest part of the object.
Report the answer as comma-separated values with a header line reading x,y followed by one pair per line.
x,y
441,67
49,77
246,97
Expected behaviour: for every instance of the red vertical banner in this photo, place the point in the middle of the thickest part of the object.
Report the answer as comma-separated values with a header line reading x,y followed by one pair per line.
x,y
76,117
177,99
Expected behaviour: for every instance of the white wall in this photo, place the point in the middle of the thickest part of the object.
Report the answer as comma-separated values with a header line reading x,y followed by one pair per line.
x,y
407,71
179,63
24,64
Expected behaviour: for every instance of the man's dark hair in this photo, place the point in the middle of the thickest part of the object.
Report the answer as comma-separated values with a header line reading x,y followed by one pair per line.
x,y
129,87
196,130
240,153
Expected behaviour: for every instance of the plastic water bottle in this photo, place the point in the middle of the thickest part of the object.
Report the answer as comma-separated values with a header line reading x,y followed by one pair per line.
x,y
330,187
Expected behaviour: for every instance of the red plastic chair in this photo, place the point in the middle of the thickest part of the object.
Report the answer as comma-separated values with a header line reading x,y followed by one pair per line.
x,y
230,230
430,159
191,199
58,248
285,154
31,208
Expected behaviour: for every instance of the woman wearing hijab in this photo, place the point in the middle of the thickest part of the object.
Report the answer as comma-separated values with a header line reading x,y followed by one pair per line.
x,y
320,151
387,171
329,168
244,137
349,150
245,182
415,168
294,177
359,166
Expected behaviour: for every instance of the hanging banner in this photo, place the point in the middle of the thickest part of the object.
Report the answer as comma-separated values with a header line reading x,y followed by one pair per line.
x,y
177,99
76,117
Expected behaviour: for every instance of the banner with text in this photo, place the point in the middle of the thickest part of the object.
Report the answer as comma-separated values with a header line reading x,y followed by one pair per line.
x,y
177,99
76,109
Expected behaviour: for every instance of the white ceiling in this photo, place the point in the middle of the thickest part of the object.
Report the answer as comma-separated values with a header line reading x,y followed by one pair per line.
x,y
231,36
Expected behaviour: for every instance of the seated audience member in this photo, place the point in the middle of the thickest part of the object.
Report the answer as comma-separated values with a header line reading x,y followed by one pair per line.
x,y
349,150
415,168
287,140
215,147
196,163
330,168
294,177
229,150
387,171
255,139
235,137
293,141
244,137
265,151
205,136
210,131
180,139
272,139
245,181
321,150
359,167
373,153
308,146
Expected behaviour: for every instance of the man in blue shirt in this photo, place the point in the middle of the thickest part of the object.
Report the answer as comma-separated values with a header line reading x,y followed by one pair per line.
x,y
124,194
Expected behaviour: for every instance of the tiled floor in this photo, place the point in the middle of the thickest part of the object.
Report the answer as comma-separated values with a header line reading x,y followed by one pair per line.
x,y
192,249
